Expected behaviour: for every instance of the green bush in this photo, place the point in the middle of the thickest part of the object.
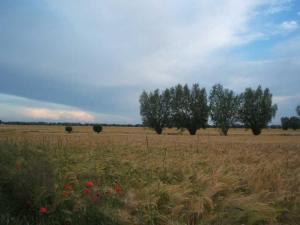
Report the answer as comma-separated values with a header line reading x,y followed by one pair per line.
x,y
68,129
97,128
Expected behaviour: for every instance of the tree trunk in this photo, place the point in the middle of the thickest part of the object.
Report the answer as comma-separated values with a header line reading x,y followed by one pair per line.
x,y
192,130
158,130
224,131
256,130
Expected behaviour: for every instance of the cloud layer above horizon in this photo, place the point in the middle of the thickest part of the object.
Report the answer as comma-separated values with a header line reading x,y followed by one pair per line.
x,y
89,61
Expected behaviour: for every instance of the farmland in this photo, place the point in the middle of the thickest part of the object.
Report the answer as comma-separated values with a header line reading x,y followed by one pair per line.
x,y
140,177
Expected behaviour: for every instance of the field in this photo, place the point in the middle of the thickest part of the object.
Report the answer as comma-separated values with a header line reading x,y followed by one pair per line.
x,y
138,177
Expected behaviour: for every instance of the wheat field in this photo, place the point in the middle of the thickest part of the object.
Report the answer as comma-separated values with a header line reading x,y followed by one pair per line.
x,y
173,178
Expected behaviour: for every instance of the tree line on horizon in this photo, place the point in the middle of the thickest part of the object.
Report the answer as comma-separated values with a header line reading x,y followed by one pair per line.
x,y
68,124
190,108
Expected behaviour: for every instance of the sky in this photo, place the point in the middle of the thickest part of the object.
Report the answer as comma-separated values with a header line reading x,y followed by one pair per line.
x,y
89,61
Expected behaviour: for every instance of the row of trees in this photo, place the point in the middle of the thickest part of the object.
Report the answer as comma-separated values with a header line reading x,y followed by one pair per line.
x,y
189,108
291,122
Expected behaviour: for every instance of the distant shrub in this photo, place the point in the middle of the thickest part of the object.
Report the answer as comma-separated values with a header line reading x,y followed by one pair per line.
x,y
97,128
68,129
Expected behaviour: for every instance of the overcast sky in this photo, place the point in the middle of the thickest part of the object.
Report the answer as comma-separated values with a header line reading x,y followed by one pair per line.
x,y
88,61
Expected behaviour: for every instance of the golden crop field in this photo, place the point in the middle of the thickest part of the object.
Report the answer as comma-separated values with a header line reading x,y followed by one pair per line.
x,y
174,178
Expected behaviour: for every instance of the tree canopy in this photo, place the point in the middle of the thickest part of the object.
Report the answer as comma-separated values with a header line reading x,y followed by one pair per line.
x,y
223,107
256,109
155,109
298,110
285,123
97,128
189,107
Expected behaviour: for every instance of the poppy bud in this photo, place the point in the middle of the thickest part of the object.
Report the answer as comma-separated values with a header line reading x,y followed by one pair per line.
x,y
117,188
43,210
87,191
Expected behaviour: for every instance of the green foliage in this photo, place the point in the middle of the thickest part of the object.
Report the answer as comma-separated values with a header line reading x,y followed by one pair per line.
x,y
171,177
155,109
294,123
256,109
298,110
189,107
223,107
164,203
68,129
97,128
285,123
26,177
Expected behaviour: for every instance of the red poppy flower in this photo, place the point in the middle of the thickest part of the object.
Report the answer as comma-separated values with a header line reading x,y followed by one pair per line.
x,y
87,191
117,188
89,184
43,210
66,194
67,187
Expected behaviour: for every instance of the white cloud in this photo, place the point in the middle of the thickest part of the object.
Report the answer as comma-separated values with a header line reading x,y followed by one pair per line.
x,y
14,108
289,48
112,43
271,30
285,98
136,43
276,6
57,115
289,26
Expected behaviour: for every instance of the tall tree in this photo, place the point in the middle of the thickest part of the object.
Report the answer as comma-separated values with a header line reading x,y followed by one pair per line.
x,y
223,107
298,110
189,107
155,109
285,123
256,109
294,122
